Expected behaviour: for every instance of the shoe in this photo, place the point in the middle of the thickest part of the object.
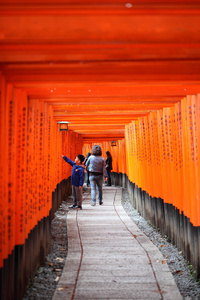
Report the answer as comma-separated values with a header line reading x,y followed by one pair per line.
x,y
93,204
72,206
78,207
109,182
100,203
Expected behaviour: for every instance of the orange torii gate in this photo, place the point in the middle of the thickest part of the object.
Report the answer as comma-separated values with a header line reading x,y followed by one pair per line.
x,y
31,169
119,71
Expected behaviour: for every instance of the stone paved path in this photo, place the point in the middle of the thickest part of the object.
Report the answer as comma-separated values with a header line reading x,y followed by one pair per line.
x,y
110,258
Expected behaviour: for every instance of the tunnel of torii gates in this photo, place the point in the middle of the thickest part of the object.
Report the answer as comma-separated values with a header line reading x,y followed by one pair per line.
x,y
128,72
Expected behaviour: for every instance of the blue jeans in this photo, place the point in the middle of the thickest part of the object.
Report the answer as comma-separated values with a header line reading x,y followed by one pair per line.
x,y
108,173
88,179
96,181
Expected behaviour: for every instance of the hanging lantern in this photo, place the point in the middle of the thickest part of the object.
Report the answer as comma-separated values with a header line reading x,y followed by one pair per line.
x,y
113,143
63,125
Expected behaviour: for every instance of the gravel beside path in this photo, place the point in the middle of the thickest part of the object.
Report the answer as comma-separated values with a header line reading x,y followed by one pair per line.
x,y
180,268
43,286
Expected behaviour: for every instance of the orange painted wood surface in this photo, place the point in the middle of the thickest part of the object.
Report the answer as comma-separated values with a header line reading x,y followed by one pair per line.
x,y
163,155
31,164
115,72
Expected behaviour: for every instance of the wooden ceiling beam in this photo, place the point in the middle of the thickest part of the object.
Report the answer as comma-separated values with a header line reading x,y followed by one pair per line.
x,y
102,2
130,101
21,53
96,114
120,71
101,65
100,26
90,118
103,136
67,108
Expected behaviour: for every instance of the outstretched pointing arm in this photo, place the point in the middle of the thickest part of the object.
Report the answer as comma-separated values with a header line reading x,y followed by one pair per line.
x,y
69,161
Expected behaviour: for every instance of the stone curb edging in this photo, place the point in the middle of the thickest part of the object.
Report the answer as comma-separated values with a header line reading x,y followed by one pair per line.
x,y
67,282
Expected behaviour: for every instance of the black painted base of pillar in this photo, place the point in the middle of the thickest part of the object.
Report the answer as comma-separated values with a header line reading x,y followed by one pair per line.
x,y
25,259
167,219
118,179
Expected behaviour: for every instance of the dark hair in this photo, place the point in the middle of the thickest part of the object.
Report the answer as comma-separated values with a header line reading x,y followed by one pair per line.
x,y
108,153
88,155
81,157
96,150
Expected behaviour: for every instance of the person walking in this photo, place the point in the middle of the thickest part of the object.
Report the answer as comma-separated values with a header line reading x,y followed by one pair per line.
x,y
88,173
108,167
97,168
77,179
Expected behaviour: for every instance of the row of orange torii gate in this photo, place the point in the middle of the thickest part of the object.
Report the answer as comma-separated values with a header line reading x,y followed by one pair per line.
x,y
159,160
